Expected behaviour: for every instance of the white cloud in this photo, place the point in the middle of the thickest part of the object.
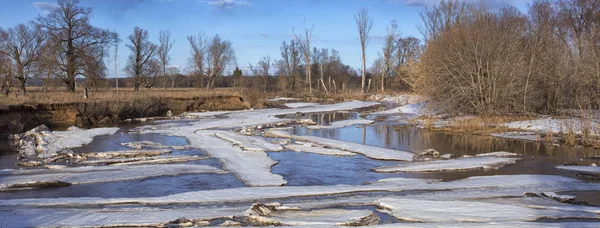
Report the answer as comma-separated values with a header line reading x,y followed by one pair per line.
x,y
227,4
46,7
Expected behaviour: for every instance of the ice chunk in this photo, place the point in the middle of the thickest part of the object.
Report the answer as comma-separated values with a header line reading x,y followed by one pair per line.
x,y
413,109
585,169
472,187
139,159
498,154
252,167
331,217
341,124
248,142
469,211
113,217
459,164
368,151
126,154
550,125
300,105
41,143
96,174
318,150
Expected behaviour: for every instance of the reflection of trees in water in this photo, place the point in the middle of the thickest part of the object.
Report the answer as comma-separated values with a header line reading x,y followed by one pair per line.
x,y
460,144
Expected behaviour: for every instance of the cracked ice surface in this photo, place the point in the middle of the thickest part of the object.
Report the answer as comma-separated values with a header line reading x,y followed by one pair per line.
x,y
248,142
465,211
460,164
115,217
341,124
252,167
472,187
96,174
373,152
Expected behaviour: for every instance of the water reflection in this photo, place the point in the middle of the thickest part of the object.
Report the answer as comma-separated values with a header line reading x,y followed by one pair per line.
x,y
410,138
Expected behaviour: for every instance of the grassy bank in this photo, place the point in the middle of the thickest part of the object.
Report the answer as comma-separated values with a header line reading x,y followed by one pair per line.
x,y
106,107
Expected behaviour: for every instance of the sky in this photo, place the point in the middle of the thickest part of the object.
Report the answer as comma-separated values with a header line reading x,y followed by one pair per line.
x,y
256,27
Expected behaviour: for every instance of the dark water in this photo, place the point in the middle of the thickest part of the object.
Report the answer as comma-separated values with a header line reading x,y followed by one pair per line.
x,y
313,169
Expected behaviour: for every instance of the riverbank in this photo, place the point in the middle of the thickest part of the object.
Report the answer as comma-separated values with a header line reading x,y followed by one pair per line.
x,y
59,110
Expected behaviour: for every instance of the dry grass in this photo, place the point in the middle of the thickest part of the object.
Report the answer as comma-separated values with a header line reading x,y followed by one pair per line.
x,y
482,124
36,96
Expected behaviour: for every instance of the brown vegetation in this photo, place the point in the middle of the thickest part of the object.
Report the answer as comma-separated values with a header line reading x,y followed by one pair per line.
x,y
483,61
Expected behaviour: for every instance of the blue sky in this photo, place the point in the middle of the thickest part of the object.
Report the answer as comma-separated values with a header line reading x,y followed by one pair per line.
x,y
256,27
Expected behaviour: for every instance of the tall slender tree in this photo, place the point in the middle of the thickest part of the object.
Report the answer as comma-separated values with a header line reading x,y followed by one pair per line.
x,y
166,44
363,24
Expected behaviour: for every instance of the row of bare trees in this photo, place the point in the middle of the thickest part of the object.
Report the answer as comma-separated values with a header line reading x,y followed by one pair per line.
x,y
64,45
490,61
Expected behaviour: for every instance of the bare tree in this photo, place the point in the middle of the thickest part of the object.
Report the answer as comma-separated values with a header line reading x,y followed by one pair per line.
x,y
199,44
73,37
22,45
220,55
289,65
388,53
304,44
363,25
142,63
163,52
264,66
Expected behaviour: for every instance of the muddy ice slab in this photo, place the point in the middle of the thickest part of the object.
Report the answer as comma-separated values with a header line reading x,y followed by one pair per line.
x,y
125,154
330,217
96,174
137,160
468,211
247,142
40,142
341,124
494,225
372,152
460,164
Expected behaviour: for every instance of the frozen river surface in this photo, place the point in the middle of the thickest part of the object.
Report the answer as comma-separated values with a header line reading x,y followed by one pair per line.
x,y
308,165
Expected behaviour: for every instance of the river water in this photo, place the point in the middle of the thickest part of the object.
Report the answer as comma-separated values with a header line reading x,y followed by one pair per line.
x,y
305,169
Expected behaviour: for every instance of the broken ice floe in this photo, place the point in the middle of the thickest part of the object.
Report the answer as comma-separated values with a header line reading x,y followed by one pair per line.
x,y
252,167
42,143
469,211
149,144
458,164
248,142
341,124
96,174
310,148
368,151
141,160
300,105
276,215
585,169
469,188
